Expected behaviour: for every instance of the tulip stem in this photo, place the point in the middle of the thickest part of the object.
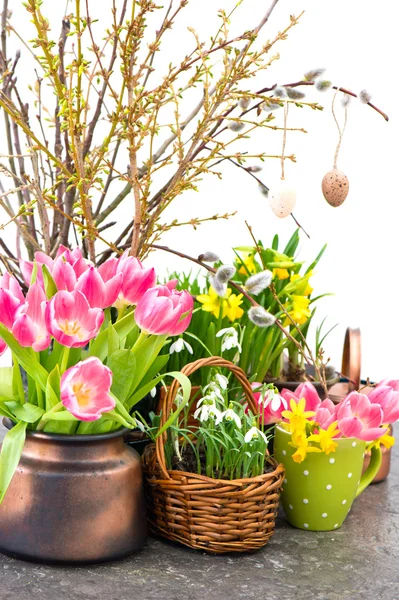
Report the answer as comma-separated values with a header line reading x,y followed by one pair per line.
x,y
140,340
64,360
121,312
47,416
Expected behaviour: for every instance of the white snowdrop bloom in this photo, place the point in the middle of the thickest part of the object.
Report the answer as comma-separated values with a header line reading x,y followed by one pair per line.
x,y
179,345
230,415
213,391
153,392
222,381
208,410
229,338
254,433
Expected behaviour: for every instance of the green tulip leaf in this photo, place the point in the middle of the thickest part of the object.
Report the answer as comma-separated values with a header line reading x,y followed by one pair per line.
x,y
6,381
11,450
49,284
28,413
25,358
123,365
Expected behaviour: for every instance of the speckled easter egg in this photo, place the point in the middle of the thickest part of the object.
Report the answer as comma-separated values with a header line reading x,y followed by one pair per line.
x,y
282,199
335,187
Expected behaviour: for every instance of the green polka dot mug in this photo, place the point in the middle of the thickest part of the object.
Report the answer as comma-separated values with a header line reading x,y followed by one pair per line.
x,y
318,493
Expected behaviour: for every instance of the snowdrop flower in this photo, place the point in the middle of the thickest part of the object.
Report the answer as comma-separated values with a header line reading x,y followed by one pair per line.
x,y
153,392
222,381
208,410
254,433
179,345
230,415
213,391
230,338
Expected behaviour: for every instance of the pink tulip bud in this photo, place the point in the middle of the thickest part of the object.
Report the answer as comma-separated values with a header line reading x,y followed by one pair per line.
x,y
164,311
326,414
70,319
304,390
9,305
359,418
97,292
63,274
136,280
29,327
85,389
10,283
386,395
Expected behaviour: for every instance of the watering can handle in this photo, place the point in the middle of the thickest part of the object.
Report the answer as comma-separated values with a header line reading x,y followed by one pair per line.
x,y
371,471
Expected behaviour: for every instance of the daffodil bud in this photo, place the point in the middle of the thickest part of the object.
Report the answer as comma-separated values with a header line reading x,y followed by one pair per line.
x,y
224,273
260,316
294,94
259,282
210,257
219,287
313,74
323,85
364,96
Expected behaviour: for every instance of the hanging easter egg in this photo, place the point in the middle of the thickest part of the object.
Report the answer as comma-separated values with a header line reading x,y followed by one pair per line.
x,y
282,199
335,187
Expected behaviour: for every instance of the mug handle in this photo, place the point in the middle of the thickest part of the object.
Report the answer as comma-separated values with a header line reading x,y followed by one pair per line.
x,y
371,471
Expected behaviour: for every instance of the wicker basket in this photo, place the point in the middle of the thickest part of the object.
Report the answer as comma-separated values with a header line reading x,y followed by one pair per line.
x,y
208,514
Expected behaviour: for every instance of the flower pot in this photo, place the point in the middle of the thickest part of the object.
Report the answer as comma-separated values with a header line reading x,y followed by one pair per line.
x,y
74,499
318,492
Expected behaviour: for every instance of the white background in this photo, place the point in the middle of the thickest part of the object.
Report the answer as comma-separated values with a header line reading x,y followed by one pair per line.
x,y
358,44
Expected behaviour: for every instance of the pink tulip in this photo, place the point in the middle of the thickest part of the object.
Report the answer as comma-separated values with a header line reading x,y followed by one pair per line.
x,y
27,267
388,399
273,405
10,283
326,414
63,274
29,327
85,389
136,280
164,311
98,292
70,319
9,305
392,383
304,390
359,418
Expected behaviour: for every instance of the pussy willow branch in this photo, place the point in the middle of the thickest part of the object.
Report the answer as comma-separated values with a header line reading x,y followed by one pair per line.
x,y
239,289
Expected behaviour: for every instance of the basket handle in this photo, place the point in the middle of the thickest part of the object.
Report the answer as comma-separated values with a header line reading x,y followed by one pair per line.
x,y
170,396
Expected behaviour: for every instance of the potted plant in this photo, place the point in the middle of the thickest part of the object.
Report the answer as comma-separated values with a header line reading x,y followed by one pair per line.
x,y
85,344
278,282
322,446
212,486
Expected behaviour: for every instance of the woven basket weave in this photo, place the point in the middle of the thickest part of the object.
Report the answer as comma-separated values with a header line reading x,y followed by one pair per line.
x,y
208,514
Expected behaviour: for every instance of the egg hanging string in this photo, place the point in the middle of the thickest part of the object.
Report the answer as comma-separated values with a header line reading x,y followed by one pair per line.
x,y
284,139
340,131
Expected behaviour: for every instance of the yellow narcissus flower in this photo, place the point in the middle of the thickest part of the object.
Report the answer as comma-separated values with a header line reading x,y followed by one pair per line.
x,y
299,312
301,443
281,274
324,438
230,304
308,289
249,262
211,302
385,440
298,417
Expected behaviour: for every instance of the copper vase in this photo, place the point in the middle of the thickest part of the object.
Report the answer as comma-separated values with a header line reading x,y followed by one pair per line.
x,y
74,499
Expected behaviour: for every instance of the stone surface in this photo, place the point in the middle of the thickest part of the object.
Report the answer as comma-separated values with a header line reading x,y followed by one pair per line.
x,y
357,562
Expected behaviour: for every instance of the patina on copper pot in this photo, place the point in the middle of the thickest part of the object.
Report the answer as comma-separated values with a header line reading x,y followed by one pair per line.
x,y
74,499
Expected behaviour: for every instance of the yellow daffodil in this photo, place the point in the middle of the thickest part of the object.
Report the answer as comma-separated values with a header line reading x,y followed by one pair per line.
x,y
385,440
249,262
230,304
301,443
298,417
211,302
324,438
281,274
299,312
308,289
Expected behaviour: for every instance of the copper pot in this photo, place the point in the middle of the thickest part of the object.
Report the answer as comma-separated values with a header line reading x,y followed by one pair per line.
x,y
74,499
